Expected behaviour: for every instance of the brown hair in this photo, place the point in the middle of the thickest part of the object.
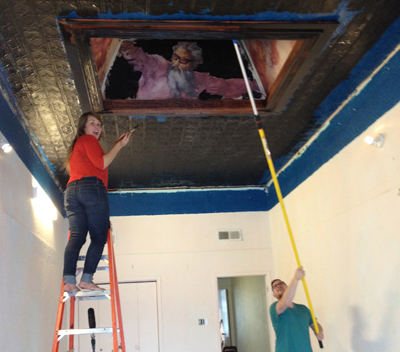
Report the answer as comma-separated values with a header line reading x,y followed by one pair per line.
x,y
272,283
80,131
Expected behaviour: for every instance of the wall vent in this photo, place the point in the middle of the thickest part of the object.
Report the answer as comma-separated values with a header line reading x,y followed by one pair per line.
x,y
230,235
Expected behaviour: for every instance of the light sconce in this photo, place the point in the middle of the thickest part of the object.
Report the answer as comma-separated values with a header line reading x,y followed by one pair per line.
x,y
378,141
4,144
6,147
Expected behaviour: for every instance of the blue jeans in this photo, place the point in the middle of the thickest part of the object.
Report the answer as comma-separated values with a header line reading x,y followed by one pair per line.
x,y
86,205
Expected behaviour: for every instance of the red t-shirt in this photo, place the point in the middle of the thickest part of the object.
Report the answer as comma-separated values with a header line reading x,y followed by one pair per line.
x,y
87,160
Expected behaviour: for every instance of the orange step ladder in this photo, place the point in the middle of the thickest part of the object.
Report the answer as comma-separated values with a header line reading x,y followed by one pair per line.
x,y
112,295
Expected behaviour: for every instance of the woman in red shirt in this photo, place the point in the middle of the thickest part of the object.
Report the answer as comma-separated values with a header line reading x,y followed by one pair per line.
x,y
86,200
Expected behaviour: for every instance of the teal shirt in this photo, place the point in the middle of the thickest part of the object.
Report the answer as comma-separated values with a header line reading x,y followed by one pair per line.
x,y
292,328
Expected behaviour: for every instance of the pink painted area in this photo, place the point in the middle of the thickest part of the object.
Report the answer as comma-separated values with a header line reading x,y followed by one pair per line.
x,y
268,57
103,50
153,82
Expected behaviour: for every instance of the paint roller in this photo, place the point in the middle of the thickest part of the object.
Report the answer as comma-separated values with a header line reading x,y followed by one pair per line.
x,y
275,180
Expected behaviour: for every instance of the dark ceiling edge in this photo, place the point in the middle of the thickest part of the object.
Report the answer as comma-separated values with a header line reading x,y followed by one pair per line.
x,y
362,111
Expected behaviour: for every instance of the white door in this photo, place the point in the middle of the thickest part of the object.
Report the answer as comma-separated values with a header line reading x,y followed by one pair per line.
x,y
139,316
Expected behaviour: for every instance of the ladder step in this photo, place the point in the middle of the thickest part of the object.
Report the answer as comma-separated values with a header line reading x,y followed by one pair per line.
x,y
103,257
88,295
62,333
78,270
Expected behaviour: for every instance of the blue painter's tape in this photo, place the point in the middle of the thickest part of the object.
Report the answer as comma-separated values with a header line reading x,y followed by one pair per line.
x,y
204,12
187,202
159,119
341,14
202,16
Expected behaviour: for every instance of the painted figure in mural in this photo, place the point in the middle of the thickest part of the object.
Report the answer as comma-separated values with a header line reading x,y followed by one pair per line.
x,y
177,79
86,200
291,321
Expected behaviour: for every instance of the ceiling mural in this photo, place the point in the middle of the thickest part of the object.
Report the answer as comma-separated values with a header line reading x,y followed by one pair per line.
x,y
150,75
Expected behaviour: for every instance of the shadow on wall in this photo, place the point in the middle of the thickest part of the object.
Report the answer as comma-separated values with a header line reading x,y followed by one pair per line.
x,y
359,340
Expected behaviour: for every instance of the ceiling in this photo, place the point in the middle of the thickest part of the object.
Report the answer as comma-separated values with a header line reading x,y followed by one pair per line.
x,y
178,151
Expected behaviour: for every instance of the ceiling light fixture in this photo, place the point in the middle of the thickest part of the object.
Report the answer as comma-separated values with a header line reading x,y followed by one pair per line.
x,y
378,141
4,144
6,147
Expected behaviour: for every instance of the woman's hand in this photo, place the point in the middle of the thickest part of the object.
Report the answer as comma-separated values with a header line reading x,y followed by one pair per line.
x,y
120,143
124,139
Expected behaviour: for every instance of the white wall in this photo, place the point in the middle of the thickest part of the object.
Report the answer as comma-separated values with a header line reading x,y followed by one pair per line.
x,y
346,224
183,254
31,257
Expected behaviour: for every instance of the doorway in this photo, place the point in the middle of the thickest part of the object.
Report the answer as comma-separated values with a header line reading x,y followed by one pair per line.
x,y
243,313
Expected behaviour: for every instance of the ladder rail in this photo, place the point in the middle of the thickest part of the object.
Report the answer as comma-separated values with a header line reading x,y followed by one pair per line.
x,y
112,289
60,314
71,321
122,336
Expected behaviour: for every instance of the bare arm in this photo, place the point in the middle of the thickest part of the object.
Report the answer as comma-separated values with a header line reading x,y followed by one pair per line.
x,y
109,157
320,335
127,49
287,298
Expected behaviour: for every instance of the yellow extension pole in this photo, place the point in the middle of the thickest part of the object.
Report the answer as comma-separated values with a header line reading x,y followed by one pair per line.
x,y
275,180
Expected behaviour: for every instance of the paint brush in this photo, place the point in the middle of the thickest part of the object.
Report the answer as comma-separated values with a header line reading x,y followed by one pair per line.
x,y
120,138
